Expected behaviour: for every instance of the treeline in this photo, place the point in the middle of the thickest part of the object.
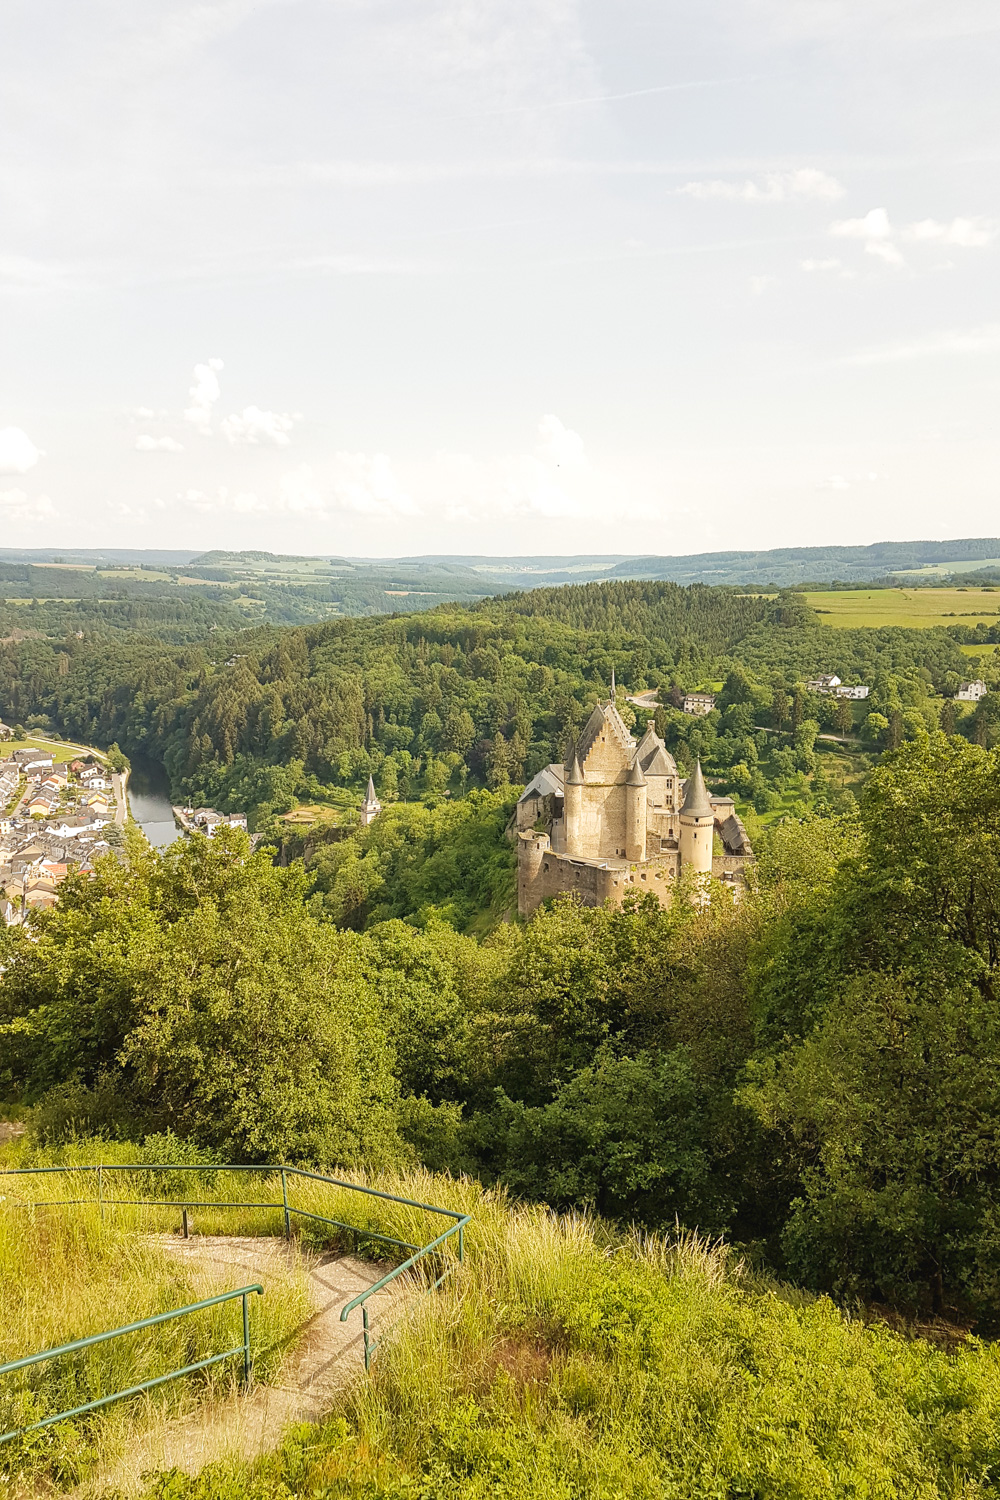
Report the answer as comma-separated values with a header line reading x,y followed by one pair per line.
x,y
814,1071
433,703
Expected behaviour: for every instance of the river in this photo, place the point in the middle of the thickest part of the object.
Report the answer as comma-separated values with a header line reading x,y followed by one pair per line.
x,y
149,802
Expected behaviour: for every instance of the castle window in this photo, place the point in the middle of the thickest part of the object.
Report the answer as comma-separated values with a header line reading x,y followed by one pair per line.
x,y
545,866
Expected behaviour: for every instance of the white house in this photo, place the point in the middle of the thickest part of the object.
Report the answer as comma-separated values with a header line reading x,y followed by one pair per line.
x,y
699,703
971,692
825,684
858,691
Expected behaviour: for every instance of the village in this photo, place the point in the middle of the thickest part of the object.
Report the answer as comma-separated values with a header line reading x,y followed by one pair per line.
x,y
56,817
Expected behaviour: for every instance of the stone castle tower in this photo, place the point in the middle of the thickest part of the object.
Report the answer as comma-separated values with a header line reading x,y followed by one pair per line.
x,y
617,818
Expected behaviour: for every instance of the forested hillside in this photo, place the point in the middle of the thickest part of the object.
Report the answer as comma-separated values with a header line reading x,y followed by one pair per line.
x,y
441,701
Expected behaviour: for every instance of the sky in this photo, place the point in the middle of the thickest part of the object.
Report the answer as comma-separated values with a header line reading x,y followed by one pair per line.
x,y
383,277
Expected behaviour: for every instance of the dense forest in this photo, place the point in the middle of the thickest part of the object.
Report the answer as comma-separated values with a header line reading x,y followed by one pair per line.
x,y
812,1071
453,698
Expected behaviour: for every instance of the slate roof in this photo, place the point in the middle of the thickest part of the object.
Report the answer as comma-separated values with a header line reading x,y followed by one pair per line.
x,y
696,799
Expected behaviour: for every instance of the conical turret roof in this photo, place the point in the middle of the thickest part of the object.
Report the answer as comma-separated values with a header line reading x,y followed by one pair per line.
x,y
696,799
574,775
635,776
370,796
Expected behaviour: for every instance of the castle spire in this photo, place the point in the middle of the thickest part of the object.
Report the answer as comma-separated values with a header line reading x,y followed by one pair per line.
x,y
696,799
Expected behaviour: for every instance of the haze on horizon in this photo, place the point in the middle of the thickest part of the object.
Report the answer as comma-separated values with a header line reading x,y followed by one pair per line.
x,y
512,276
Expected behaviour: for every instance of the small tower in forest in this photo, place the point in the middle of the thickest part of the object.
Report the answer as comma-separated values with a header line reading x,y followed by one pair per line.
x,y
370,807
697,825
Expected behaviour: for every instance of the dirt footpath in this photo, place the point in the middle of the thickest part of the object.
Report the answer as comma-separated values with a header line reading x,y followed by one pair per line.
x,y
327,1355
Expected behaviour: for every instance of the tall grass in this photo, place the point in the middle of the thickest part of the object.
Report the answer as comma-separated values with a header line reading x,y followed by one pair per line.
x,y
564,1360
67,1273
567,1359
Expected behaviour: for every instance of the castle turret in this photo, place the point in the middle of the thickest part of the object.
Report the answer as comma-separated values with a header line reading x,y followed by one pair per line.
x,y
370,807
635,813
573,806
697,826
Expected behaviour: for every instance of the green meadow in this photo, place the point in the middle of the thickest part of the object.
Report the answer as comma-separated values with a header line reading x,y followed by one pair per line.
x,y
908,608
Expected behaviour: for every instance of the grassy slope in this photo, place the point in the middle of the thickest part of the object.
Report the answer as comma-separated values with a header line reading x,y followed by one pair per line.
x,y
67,1273
564,1360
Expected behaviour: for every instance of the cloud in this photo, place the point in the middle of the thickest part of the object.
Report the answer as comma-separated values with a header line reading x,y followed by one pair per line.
x,y
966,233
367,486
830,264
560,444
146,444
760,284
18,453
254,426
204,393
885,252
876,231
17,505
834,482
874,226
144,414
777,187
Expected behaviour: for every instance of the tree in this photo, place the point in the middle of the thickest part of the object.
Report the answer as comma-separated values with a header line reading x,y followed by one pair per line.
x,y
195,992
498,763
780,708
459,731
890,1101
875,727
843,718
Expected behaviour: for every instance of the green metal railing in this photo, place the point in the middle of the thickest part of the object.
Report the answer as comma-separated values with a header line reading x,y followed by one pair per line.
x,y
145,1385
289,1209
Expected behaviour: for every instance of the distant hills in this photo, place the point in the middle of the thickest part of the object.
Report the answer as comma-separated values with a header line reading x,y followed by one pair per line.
x,y
460,575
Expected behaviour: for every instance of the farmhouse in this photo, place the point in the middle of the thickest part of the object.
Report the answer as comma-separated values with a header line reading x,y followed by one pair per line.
x,y
971,692
699,703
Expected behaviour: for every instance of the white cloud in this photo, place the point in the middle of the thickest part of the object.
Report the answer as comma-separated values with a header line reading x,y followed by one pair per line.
x,y
830,264
560,444
367,485
254,426
146,444
874,226
204,393
966,233
885,252
761,284
777,187
17,505
144,414
18,453
835,482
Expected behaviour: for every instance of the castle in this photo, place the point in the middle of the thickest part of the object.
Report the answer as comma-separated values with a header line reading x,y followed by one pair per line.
x,y
617,818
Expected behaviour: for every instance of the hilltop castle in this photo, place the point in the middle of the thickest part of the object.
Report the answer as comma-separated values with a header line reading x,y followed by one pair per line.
x,y
617,818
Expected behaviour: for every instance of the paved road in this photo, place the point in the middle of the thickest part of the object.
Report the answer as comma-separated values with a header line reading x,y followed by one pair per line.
x,y
119,783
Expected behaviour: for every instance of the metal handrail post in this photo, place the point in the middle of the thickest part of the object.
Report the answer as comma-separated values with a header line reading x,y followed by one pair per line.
x,y
284,1199
246,1341
461,1241
364,1319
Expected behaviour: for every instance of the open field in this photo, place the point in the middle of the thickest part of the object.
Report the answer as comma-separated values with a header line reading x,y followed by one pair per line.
x,y
60,748
908,608
943,569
